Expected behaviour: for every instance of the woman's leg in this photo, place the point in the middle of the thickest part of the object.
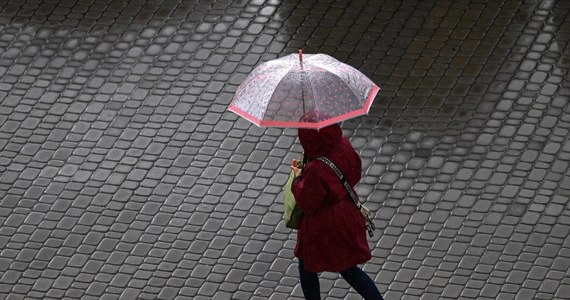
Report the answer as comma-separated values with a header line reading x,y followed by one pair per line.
x,y
309,283
362,283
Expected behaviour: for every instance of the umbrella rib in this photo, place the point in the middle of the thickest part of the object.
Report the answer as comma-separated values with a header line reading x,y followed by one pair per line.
x,y
271,95
285,73
303,90
337,76
333,72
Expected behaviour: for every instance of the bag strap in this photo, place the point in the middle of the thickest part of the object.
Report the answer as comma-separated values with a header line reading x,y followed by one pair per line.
x,y
369,224
342,179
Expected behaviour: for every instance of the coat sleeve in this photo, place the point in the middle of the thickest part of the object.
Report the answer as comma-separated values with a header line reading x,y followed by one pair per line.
x,y
309,189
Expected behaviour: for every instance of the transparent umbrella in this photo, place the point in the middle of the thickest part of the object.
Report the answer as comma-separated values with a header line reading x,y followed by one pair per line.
x,y
280,92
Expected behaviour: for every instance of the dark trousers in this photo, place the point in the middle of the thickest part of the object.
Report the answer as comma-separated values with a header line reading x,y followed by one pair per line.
x,y
361,283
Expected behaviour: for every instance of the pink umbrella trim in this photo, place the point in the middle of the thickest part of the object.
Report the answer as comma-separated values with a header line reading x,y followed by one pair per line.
x,y
318,125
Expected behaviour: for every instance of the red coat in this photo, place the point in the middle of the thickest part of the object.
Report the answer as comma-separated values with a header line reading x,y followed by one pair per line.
x,y
332,233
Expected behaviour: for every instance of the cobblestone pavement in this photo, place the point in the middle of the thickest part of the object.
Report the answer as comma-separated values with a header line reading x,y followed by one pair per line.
x,y
122,175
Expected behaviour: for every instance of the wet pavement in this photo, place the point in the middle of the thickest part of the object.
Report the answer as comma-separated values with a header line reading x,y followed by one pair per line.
x,y
122,175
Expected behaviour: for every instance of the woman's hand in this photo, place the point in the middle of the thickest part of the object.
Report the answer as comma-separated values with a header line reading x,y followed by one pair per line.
x,y
295,168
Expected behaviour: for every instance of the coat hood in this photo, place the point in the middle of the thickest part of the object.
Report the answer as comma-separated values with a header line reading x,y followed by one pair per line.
x,y
317,143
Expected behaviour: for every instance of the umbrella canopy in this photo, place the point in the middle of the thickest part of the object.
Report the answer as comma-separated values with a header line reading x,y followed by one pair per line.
x,y
282,92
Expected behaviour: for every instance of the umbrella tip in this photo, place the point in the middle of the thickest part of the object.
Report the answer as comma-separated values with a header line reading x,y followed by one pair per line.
x,y
300,56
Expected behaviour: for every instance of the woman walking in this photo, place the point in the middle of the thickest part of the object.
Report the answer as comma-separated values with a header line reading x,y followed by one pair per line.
x,y
332,232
